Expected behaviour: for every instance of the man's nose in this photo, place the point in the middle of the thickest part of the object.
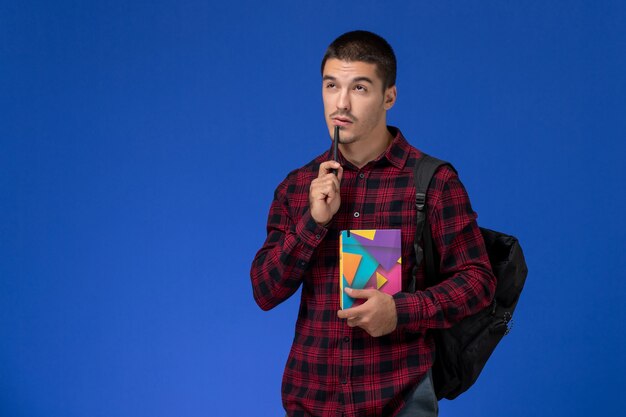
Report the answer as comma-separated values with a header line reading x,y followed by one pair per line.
x,y
343,100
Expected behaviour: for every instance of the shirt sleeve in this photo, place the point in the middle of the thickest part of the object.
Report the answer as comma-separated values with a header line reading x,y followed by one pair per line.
x,y
467,282
282,262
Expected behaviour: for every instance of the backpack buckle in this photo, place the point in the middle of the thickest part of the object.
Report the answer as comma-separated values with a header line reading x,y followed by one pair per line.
x,y
420,201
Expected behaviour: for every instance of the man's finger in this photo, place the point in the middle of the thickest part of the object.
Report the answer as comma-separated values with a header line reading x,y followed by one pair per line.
x,y
350,313
353,322
366,294
327,167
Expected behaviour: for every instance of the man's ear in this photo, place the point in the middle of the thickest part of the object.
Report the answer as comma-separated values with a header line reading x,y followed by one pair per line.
x,y
390,97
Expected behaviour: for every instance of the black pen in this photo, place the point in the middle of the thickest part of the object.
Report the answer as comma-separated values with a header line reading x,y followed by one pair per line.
x,y
335,147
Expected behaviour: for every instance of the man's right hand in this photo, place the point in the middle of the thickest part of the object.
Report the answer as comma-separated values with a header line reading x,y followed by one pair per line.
x,y
324,195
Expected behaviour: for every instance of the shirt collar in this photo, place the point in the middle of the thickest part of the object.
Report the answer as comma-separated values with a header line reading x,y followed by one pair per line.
x,y
396,153
399,150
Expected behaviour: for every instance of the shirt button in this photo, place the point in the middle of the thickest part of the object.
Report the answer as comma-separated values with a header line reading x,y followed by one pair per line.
x,y
344,380
361,175
317,237
302,263
346,339
356,214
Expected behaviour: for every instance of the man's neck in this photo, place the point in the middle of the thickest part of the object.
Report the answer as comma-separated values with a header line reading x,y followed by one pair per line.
x,y
360,154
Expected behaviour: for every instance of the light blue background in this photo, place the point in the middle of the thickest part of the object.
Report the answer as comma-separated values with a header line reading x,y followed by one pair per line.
x,y
141,142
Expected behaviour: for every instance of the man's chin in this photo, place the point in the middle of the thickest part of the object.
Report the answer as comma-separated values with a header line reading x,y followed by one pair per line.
x,y
347,140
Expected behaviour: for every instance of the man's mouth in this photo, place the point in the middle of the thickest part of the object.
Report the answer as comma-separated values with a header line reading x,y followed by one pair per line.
x,y
341,121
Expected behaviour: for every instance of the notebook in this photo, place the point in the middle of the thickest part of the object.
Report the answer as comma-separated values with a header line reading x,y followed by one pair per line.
x,y
369,259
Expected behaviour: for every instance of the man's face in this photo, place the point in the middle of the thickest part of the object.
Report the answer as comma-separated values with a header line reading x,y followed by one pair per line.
x,y
354,100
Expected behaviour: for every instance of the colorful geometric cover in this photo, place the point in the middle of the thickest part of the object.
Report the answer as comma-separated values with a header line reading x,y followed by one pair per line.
x,y
369,259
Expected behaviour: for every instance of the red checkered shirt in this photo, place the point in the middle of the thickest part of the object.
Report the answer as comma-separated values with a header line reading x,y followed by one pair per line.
x,y
336,370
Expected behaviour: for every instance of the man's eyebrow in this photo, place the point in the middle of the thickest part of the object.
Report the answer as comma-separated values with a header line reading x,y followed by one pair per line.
x,y
360,79
354,80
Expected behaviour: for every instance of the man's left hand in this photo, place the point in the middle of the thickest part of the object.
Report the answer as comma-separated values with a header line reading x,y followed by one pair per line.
x,y
377,315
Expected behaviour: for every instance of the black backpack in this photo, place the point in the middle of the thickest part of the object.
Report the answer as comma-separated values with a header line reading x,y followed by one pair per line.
x,y
463,350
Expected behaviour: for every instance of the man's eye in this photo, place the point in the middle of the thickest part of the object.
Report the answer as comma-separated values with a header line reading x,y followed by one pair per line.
x,y
360,88
330,85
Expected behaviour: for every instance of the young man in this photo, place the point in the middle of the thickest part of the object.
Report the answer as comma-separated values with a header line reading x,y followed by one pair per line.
x,y
373,359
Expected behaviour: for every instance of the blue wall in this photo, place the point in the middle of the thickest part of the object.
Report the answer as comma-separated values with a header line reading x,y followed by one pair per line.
x,y
140,144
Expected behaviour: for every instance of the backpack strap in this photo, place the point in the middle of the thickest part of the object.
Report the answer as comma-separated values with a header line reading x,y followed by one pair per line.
x,y
423,171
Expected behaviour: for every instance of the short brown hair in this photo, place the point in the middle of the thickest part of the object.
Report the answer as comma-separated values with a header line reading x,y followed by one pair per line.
x,y
364,46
